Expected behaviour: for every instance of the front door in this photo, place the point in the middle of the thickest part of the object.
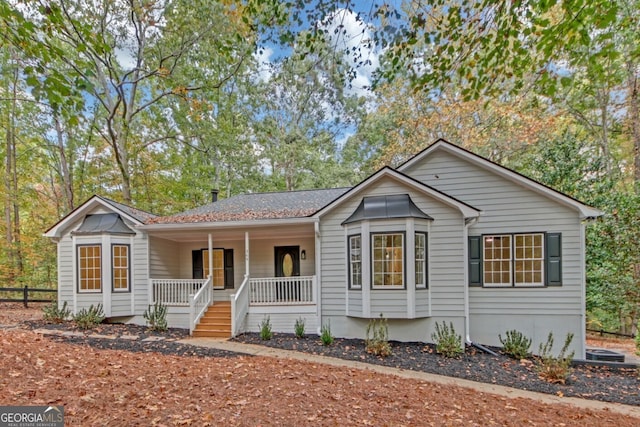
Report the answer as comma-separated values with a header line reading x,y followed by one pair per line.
x,y
287,261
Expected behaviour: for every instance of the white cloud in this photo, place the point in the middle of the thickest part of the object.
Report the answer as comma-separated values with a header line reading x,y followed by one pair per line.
x,y
263,58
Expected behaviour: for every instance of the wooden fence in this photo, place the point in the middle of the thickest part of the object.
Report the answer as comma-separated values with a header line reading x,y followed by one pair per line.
x,y
603,332
26,299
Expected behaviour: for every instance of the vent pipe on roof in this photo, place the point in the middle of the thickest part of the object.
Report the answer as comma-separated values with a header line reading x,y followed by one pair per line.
x,y
214,195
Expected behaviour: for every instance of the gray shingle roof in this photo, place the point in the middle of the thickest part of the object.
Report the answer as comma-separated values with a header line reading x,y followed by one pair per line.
x,y
138,214
289,204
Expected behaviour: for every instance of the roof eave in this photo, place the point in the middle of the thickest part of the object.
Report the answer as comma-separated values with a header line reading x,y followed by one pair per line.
x,y
174,226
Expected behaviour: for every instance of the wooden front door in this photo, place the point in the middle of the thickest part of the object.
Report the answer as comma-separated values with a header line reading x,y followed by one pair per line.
x,y
287,261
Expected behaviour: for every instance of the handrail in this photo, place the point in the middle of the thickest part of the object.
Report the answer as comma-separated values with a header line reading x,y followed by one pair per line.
x,y
173,291
199,303
296,290
239,306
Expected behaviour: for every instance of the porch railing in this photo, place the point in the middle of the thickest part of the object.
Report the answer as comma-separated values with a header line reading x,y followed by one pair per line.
x,y
174,291
239,306
199,303
282,290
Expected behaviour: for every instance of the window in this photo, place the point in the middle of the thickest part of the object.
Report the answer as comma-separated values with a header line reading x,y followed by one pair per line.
x,y
526,259
497,260
120,262
90,268
218,266
388,260
355,262
421,260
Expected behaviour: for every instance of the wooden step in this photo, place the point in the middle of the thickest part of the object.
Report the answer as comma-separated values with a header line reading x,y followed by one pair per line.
x,y
216,322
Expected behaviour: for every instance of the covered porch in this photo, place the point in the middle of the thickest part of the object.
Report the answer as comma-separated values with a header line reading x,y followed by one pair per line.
x,y
256,271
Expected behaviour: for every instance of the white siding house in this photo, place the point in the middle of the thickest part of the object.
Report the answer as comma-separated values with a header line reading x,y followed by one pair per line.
x,y
447,236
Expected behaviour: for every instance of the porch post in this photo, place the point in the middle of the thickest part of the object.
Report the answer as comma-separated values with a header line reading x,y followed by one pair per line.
x,y
210,255
246,253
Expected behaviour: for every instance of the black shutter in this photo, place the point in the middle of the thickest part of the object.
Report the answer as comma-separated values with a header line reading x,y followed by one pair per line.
x,y
554,259
196,261
228,269
475,260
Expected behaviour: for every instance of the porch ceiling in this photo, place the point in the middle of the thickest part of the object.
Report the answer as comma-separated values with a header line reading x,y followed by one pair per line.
x,y
271,232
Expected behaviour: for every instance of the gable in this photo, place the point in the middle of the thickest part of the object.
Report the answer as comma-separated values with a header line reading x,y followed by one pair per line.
x,y
96,205
472,178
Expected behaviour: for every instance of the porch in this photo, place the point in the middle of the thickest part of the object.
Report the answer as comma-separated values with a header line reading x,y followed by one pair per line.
x,y
198,299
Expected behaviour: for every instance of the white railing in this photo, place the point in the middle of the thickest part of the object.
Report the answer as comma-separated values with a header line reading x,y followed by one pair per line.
x,y
282,290
199,304
239,306
174,291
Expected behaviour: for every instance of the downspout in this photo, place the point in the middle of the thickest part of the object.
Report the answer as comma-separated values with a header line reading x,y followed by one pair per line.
x,y
316,227
468,223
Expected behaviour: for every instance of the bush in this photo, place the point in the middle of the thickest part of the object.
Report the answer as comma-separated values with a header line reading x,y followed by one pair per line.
x,y
555,369
638,341
52,313
378,344
516,344
156,317
265,329
325,334
298,328
448,343
87,319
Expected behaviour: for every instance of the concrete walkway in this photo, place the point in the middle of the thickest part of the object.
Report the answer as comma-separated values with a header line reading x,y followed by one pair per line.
x,y
258,350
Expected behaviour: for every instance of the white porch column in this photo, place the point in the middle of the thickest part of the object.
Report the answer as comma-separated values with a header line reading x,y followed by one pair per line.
x,y
210,255
246,253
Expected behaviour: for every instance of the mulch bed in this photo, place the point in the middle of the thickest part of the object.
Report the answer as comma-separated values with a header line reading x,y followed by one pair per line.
x,y
590,382
166,345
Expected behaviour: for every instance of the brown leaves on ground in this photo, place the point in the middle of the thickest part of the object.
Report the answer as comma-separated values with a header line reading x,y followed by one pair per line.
x,y
13,313
106,387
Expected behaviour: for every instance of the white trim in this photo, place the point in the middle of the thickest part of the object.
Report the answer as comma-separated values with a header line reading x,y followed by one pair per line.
x,y
410,278
366,269
386,172
318,270
583,289
584,210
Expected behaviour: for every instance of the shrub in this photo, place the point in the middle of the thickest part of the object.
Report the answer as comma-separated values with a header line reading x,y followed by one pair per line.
x,y
448,343
52,313
298,328
378,344
265,329
156,316
325,334
555,369
86,319
638,341
516,344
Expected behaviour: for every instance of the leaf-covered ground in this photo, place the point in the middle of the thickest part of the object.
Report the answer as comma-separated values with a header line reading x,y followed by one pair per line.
x,y
116,387
598,383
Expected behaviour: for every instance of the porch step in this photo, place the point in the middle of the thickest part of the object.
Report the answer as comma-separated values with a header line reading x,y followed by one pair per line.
x,y
216,322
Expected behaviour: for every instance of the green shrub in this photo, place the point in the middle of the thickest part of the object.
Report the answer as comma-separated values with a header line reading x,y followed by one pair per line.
x,y
555,369
325,334
448,343
156,316
638,341
265,329
378,344
87,319
52,313
516,344
298,328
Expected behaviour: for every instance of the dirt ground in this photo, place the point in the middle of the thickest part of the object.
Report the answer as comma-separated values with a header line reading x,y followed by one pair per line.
x,y
12,313
116,388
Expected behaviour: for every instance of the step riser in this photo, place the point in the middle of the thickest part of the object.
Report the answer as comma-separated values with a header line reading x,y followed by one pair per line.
x,y
215,323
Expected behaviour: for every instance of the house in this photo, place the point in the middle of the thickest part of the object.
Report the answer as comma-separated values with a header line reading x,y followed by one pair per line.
x,y
447,236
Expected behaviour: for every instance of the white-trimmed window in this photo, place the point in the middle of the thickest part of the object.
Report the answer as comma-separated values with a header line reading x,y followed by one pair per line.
x,y
89,268
529,259
497,260
513,260
420,257
120,263
387,260
355,262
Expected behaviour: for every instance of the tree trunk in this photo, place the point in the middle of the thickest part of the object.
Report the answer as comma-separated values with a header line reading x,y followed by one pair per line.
x,y
65,174
633,115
